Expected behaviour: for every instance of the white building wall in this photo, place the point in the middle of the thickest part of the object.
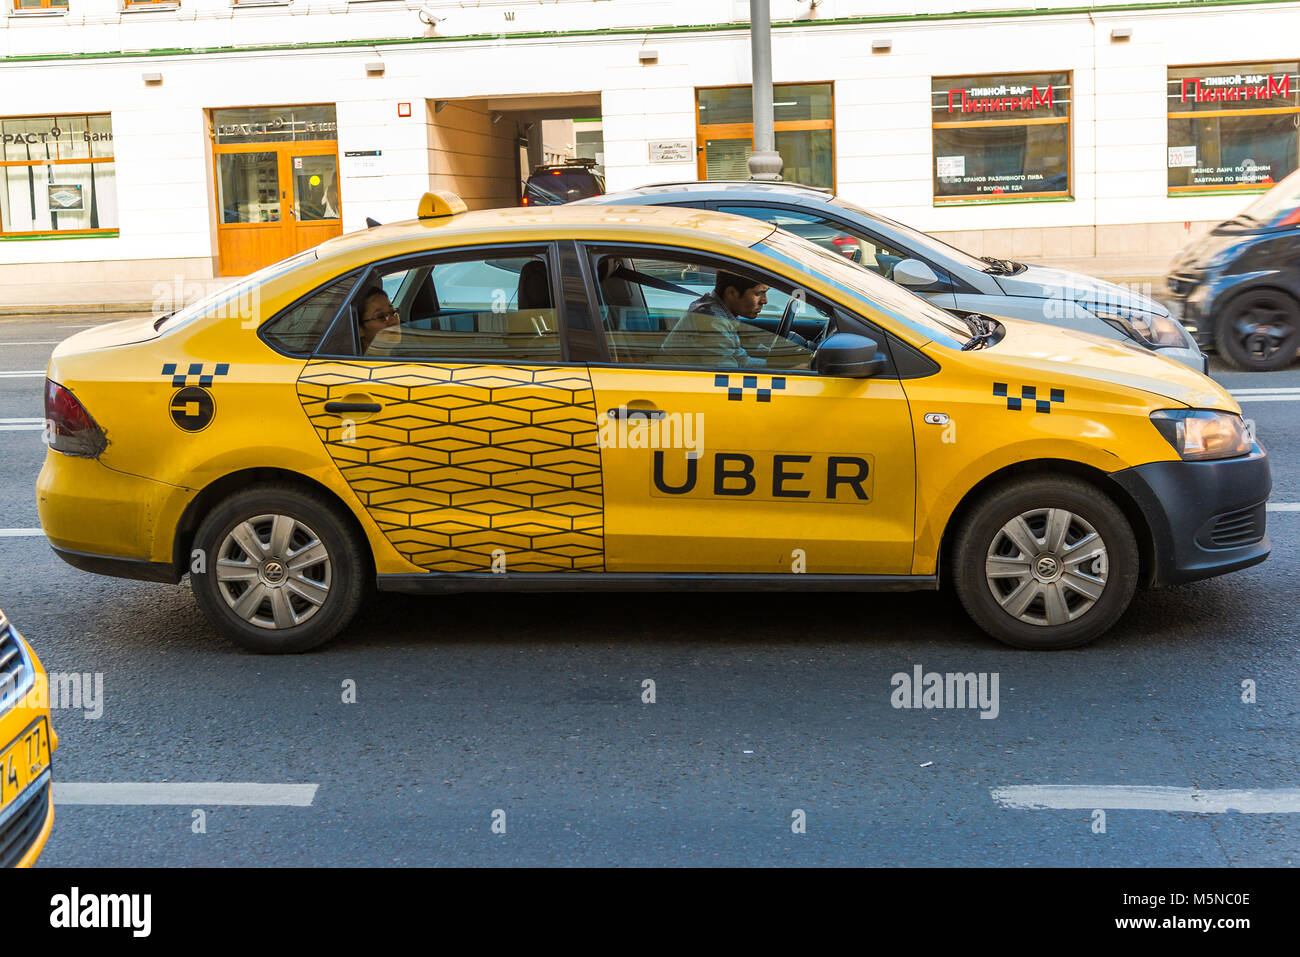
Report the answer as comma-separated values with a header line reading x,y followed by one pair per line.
x,y
882,100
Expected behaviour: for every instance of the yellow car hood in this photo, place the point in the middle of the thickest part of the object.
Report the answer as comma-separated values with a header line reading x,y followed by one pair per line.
x,y
1054,351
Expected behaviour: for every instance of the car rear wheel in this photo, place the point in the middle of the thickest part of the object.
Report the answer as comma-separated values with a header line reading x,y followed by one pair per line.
x,y
283,571
1045,563
1259,331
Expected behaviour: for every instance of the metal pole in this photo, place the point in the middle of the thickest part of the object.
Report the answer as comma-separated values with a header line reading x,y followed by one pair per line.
x,y
765,161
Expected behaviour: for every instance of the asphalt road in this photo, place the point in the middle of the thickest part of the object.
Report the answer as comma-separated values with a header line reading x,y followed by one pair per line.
x,y
764,705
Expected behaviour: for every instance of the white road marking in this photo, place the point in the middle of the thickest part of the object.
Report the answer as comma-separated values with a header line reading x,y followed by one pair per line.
x,y
25,421
33,342
185,793
1283,506
24,374
22,428
1127,797
1267,398
21,533
1265,391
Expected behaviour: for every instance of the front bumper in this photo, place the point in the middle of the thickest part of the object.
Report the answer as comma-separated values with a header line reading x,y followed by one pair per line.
x,y
1206,518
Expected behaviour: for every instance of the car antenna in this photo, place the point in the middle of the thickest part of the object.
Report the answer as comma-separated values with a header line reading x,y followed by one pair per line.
x,y
372,223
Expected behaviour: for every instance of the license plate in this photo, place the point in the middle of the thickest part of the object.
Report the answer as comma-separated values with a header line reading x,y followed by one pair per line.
x,y
24,761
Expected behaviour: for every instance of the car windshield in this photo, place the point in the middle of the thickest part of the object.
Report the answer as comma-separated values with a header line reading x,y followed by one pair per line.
x,y
905,306
240,297
918,237
565,186
1280,206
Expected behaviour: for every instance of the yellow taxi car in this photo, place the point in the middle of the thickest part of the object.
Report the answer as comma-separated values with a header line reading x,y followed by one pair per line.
x,y
560,399
27,742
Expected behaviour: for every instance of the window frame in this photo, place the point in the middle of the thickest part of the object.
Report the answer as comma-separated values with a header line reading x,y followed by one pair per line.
x,y
46,7
264,328
1221,189
703,131
591,250
108,232
993,198
548,249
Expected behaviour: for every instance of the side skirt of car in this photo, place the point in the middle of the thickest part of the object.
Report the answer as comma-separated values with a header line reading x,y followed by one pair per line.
x,y
443,583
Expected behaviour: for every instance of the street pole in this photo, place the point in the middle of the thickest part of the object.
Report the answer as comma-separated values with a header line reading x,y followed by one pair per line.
x,y
765,161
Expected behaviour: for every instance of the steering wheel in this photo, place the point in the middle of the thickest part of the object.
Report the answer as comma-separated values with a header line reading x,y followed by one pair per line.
x,y
787,318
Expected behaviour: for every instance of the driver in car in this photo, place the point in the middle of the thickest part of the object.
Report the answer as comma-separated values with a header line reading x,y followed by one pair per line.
x,y
709,333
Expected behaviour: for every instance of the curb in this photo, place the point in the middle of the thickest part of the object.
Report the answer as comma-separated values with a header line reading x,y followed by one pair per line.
x,y
38,310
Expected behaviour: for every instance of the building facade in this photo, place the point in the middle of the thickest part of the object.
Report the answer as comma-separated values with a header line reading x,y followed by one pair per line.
x,y
209,137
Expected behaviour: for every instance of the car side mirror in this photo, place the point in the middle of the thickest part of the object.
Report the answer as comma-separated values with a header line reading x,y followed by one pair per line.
x,y
914,273
848,355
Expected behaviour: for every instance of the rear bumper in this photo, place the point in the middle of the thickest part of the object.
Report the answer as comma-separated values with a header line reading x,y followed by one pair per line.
x,y
1206,518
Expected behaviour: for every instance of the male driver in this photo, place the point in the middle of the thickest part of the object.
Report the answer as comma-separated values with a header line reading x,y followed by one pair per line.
x,y
709,333
376,314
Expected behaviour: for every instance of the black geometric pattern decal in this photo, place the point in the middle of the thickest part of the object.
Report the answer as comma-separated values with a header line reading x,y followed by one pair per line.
x,y
1028,393
462,461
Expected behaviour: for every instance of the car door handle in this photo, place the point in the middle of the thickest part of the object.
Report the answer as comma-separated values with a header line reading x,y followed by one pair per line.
x,y
352,407
623,412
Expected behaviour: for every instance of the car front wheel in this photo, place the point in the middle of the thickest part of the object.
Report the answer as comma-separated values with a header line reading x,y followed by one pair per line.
x,y
281,570
1045,563
1259,331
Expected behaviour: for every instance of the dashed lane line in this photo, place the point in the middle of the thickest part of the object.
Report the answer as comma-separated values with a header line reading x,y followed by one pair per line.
x,y
185,793
1130,797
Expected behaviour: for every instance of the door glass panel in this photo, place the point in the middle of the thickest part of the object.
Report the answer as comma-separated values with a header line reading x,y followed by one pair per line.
x,y
315,188
852,244
494,309
727,159
806,157
668,312
248,188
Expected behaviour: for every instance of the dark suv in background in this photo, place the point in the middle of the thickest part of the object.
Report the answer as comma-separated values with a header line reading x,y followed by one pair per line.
x,y
557,184
1239,286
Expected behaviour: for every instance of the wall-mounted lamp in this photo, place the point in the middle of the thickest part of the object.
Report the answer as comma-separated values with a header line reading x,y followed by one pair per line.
x,y
1119,34
497,117
647,55
439,105
375,68
882,45
151,79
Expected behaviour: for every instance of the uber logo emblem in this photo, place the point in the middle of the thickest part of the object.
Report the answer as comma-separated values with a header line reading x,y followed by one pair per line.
x,y
1028,393
736,393
192,408
772,477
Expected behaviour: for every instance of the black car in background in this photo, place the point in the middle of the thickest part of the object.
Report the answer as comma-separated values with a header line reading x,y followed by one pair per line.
x,y
1239,285
563,183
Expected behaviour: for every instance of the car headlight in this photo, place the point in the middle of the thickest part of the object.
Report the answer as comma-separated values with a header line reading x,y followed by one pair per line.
x,y
1149,328
1198,434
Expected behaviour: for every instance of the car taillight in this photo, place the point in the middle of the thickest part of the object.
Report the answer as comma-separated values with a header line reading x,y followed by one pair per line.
x,y
524,201
848,245
68,426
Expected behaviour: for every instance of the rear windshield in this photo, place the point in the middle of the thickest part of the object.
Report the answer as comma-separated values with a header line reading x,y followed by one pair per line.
x,y
239,299
565,186
1280,206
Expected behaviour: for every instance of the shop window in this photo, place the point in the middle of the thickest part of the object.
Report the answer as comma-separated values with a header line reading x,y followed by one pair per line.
x,y
58,176
151,3
1232,128
805,129
23,6
1000,138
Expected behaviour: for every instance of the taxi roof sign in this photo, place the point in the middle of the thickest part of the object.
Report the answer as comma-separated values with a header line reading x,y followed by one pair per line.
x,y
440,202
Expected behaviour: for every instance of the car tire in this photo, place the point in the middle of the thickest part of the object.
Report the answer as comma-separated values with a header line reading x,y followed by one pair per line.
x,y
252,540
1045,563
1259,331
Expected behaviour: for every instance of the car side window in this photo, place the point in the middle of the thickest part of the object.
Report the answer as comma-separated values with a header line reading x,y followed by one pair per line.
x,y
666,310
496,307
298,329
854,244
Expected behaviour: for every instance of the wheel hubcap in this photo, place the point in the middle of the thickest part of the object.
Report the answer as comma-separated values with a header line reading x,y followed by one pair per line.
x,y
1046,566
273,571
1262,328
